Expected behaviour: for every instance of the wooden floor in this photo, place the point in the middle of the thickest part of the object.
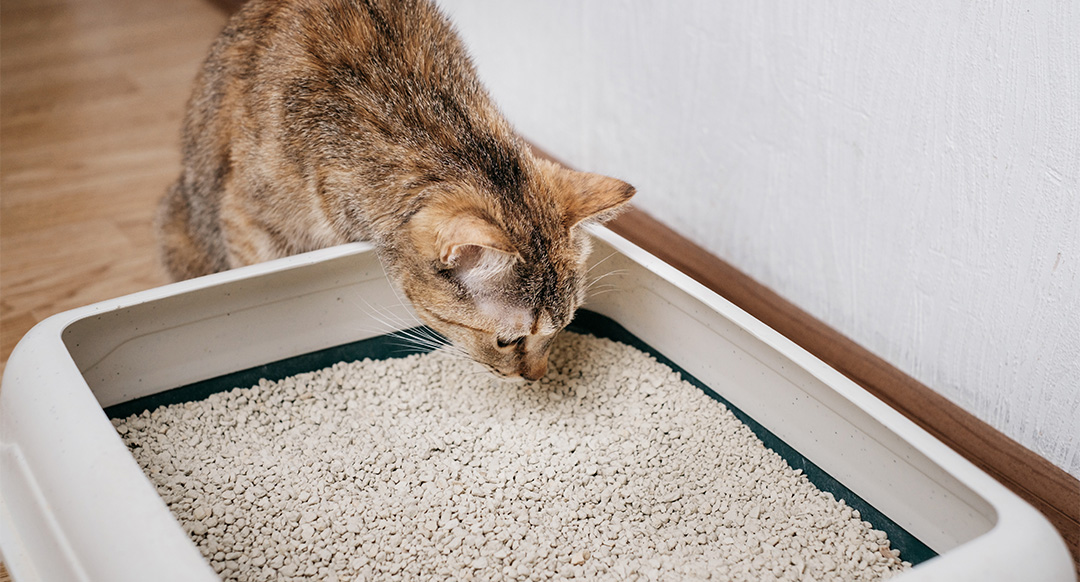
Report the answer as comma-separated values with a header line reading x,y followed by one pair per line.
x,y
91,98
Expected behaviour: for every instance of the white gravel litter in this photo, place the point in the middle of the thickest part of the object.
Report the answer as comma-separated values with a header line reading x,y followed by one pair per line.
x,y
421,468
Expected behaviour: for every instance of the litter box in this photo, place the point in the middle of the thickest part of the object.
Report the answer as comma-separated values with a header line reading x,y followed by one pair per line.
x,y
74,505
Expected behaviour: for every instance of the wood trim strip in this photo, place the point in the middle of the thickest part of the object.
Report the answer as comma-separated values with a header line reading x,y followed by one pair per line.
x,y
1048,488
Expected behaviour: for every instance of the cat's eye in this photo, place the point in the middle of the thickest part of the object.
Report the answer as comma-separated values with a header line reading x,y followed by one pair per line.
x,y
507,343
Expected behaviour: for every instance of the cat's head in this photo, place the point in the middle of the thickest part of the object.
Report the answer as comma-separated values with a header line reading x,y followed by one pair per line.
x,y
500,274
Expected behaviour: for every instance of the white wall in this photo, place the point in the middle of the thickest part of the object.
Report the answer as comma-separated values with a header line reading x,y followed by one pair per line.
x,y
907,174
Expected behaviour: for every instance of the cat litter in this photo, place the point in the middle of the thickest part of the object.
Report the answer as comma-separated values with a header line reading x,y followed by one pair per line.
x,y
423,468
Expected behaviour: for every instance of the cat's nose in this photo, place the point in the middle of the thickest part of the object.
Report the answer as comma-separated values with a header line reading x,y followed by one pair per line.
x,y
533,370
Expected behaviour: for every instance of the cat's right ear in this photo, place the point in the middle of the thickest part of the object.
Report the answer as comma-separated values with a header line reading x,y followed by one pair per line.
x,y
466,242
476,250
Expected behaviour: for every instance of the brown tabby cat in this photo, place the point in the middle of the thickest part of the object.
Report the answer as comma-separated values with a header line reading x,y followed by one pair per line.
x,y
320,122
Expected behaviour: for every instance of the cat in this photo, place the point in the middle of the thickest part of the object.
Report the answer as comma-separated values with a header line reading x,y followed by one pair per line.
x,y
320,122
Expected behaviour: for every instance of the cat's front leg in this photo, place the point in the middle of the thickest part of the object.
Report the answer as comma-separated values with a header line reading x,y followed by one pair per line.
x,y
187,235
248,238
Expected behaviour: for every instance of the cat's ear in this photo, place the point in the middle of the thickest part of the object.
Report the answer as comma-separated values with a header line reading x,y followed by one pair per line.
x,y
475,247
464,233
585,196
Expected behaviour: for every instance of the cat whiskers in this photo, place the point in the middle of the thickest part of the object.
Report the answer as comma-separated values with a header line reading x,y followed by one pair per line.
x,y
409,333
598,263
445,346
591,288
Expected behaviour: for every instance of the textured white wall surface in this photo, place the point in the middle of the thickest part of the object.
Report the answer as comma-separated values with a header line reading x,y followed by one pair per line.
x,y
906,173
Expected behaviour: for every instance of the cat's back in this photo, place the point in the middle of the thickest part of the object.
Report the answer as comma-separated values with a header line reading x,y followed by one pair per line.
x,y
317,122
344,79
379,45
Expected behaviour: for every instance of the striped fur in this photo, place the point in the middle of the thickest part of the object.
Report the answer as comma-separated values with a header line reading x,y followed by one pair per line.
x,y
320,122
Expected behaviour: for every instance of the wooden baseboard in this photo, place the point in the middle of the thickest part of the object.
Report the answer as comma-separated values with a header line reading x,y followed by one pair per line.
x,y
1051,490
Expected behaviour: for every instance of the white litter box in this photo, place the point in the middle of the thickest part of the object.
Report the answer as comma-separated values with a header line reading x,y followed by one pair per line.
x,y
74,505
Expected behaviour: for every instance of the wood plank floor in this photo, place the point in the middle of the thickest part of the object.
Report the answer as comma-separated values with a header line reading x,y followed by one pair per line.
x,y
91,99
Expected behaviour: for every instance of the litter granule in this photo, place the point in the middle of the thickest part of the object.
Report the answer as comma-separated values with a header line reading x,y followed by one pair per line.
x,y
420,468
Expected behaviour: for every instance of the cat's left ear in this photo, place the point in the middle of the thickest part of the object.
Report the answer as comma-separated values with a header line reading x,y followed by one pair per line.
x,y
585,196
